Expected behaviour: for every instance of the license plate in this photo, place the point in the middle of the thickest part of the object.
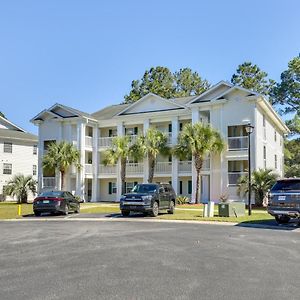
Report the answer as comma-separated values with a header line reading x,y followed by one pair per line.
x,y
281,198
45,201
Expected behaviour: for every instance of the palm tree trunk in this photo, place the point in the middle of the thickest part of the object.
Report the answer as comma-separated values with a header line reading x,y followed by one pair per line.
x,y
151,162
62,179
198,167
123,175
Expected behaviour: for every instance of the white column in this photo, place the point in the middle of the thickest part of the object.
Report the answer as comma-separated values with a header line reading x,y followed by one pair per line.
x,y
80,177
195,115
146,165
95,183
175,130
40,159
68,138
120,132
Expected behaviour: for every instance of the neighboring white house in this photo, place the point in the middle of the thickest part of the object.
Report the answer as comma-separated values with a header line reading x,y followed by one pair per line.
x,y
18,153
226,107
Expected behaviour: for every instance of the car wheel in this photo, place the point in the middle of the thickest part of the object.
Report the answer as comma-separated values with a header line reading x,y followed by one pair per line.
x,y
282,219
155,208
37,213
77,211
125,213
171,208
66,210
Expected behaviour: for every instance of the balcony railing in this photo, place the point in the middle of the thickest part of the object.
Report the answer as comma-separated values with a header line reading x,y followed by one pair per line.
x,y
49,182
88,141
88,169
233,177
238,143
108,170
105,141
134,168
185,166
163,167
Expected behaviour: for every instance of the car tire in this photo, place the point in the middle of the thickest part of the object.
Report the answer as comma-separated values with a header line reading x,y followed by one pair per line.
x,y
37,213
77,211
155,209
171,208
282,219
66,212
125,213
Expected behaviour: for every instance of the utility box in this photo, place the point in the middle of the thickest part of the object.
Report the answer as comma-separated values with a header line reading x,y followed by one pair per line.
x,y
231,209
208,210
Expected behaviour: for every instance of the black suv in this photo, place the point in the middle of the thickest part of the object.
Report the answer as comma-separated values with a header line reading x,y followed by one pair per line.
x,y
148,198
284,200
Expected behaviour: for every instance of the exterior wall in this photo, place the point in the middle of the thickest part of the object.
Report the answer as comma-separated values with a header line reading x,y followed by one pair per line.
x,y
21,158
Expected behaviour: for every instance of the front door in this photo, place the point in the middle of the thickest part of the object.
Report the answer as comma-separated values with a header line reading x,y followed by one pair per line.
x,y
205,183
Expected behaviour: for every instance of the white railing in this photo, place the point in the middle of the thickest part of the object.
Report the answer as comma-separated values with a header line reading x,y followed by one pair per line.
x,y
163,167
105,141
169,136
88,141
132,138
238,143
88,169
49,182
185,166
108,170
134,168
206,164
233,177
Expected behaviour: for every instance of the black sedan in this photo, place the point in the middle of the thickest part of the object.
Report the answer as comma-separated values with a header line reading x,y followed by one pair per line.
x,y
55,202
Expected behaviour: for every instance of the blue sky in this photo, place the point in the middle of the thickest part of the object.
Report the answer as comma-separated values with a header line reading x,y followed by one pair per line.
x,y
86,53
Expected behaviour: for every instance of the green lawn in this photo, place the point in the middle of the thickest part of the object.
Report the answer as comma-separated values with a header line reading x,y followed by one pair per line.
x,y
182,212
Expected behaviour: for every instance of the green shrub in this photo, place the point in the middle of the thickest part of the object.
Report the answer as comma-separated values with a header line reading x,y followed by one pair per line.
x,y
182,200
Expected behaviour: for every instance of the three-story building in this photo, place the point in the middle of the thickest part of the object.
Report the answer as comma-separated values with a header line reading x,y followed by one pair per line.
x,y
226,107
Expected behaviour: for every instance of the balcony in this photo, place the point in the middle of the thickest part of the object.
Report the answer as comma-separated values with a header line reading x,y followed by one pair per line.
x,y
105,141
163,168
49,182
88,169
89,141
134,168
233,177
185,166
108,170
237,143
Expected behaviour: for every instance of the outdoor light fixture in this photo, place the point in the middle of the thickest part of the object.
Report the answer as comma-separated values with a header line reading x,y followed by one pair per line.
x,y
249,129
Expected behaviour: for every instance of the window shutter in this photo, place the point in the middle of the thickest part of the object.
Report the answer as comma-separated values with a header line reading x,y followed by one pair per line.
x,y
170,127
135,130
109,188
170,158
189,187
180,187
180,126
110,132
125,131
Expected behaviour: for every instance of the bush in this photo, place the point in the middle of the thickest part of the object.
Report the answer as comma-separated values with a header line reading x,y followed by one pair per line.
x,y
182,200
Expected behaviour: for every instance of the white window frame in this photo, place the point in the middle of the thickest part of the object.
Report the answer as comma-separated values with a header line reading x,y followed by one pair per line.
x,y
35,149
113,187
34,170
7,169
7,147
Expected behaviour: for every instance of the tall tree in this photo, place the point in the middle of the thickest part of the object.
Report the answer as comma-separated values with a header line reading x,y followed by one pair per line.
x,y
2,114
150,145
287,91
198,141
292,158
188,83
19,186
60,156
121,148
261,181
161,81
251,77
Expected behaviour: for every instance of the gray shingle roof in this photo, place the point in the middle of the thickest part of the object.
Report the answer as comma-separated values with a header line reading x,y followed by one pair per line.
x,y
19,135
109,111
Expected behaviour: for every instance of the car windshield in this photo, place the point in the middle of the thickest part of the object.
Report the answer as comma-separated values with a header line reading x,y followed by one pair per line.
x,y
51,194
144,188
286,185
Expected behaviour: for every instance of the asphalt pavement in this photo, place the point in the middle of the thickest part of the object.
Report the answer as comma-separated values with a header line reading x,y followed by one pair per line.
x,y
146,260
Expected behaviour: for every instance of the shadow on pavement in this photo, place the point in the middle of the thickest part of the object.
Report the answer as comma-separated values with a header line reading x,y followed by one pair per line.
x,y
270,224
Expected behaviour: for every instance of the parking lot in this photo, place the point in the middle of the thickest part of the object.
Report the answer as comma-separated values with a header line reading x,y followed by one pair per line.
x,y
146,260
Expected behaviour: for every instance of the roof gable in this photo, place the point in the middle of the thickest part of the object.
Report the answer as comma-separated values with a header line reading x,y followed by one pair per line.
x,y
151,103
6,124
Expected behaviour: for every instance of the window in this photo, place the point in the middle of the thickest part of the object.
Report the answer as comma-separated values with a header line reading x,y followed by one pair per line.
x,y
275,136
129,186
236,169
265,157
237,137
275,158
112,188
264,128
190,187
34,149
131,131
112,132
180,187
7,147
7,168
34,170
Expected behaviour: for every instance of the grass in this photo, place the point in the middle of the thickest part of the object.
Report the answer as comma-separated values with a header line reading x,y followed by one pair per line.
x,y
9,210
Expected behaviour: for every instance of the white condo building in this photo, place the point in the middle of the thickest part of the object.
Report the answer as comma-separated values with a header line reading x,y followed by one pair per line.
x,y
226,107
18,153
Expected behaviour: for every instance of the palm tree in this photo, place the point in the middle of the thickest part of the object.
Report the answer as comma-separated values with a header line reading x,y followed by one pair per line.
x,y
60,156
19,186
197,141
154,142
261,181
121,148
